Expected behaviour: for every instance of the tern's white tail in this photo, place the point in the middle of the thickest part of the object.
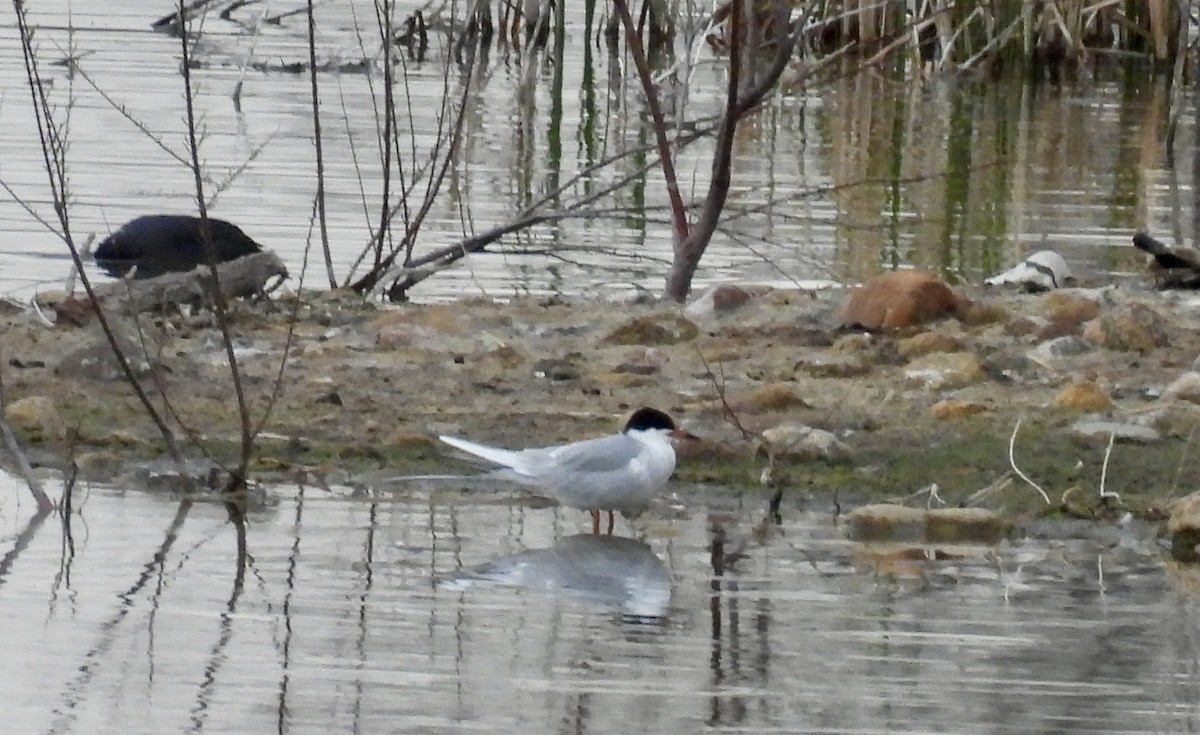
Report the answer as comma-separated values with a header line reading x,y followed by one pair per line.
x,y
506,457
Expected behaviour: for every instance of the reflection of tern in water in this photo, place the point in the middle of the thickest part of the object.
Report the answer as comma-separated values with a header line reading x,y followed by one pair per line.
x,y
607,571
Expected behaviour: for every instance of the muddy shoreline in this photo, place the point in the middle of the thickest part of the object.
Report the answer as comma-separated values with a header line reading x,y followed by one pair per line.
x,y
365,388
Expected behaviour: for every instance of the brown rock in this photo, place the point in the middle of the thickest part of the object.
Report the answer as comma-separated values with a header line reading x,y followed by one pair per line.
x,y
899,300
954,409
399,335
897,523
1067,306
728,298
656,329
402,438
718,300
964,525
1132,328
1083,396
74,312
978,313
927,343
1065,313
771,397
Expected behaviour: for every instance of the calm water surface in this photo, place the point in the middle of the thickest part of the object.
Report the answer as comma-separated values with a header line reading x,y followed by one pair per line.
x,y
419,610
834,181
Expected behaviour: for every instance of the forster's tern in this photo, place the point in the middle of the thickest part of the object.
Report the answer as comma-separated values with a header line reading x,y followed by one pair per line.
x,y
620,472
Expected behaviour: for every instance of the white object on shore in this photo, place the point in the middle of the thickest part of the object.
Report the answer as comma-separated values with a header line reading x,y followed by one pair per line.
x,y
1043,270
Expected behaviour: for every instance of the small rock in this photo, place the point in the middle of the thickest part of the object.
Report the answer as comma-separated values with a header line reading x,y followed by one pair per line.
x,y
100,465
1131,328
1068,309
979,313
887,522
852,344
771,397
74,312
899,300
1184,388
642,361
820,365
717,300
1007,366
556,369
123,438
656,329
963,525
1052,353
1021,326
801,442
97,362
1183,524
332,398
38,416
504,356
944,370
927,343
1121,432
397,335
402,438
954,409
636,368
1083,396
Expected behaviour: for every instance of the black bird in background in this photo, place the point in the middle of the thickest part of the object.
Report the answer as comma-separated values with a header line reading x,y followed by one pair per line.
x,y
1172,267
164,243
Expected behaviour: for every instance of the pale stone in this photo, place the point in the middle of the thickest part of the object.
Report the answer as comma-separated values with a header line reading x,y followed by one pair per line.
x,y
944,370
38,416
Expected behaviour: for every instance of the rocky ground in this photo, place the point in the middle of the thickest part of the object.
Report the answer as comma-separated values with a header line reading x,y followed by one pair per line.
x,y
365,387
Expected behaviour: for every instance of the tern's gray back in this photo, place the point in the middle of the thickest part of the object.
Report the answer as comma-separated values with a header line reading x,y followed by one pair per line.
x,y
616,472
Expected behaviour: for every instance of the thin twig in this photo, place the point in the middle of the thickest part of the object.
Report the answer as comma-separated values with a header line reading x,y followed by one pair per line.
x,y
1112,436
1012,461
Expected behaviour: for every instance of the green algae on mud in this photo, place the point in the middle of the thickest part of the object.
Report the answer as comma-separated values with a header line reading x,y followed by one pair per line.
x,y
961,458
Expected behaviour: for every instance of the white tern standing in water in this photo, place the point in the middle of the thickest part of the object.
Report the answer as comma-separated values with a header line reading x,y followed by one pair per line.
x,y
619,472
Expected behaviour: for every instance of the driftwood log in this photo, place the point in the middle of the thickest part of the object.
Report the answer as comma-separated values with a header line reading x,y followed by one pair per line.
x,y
247,276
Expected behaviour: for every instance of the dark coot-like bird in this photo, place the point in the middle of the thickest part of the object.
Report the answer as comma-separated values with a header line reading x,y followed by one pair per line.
x,y
164,243
1171,267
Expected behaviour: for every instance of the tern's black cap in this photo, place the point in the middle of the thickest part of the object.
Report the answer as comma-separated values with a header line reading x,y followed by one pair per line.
x,y
649,418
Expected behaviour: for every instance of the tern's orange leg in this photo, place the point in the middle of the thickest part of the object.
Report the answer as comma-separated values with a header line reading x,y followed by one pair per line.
x,y
596,523
610,523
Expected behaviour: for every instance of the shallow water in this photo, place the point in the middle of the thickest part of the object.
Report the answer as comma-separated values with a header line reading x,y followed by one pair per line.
x,y
426,610
832,181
